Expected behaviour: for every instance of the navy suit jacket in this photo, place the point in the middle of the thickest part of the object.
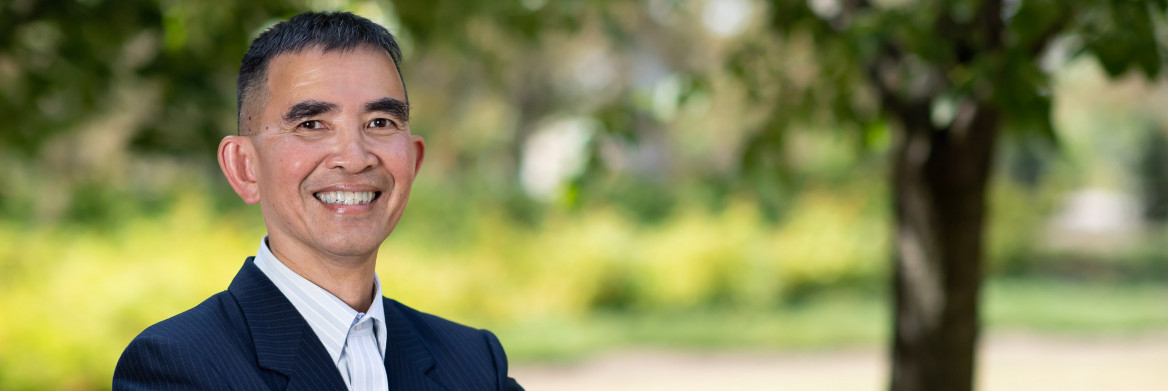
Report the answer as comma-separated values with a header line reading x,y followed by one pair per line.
x,y
250,337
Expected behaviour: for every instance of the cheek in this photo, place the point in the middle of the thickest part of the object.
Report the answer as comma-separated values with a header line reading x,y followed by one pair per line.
x,y
297,169
399,156
290,165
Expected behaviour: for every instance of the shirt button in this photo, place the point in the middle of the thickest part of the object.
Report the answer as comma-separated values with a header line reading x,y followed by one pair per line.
x,y
358,327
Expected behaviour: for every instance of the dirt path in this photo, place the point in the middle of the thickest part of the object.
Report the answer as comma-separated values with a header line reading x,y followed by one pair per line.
x,y
1007,363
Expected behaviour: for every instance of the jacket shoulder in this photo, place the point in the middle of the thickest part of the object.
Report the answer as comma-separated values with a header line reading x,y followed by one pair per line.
x,y
208,323
473,351
433,326
187,350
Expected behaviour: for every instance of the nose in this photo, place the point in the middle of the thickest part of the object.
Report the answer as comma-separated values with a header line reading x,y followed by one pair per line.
x,y
352,153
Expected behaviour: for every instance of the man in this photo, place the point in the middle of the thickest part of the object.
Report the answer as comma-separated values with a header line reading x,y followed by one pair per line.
x,y
324,147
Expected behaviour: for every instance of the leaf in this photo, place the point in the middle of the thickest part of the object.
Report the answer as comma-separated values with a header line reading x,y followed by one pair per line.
x,y
1122,37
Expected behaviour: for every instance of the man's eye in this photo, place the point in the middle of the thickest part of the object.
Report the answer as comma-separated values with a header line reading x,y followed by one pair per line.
x,y
380,123
311,125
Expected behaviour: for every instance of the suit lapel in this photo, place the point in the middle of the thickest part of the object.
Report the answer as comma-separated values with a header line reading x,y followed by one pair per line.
x,y
409,364
284,342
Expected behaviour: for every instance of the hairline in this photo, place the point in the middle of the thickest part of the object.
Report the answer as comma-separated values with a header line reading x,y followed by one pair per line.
x,y
320,31
262,88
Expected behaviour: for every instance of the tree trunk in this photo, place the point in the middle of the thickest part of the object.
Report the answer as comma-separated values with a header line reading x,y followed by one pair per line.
x,y
939,180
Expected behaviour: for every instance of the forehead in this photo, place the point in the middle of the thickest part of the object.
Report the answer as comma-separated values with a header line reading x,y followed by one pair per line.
x,y
339,76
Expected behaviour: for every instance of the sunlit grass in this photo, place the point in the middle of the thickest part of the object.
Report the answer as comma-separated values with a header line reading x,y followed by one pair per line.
x,y
847,318
1077,307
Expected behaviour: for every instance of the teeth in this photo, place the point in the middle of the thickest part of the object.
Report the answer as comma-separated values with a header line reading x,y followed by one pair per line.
x,y
345,197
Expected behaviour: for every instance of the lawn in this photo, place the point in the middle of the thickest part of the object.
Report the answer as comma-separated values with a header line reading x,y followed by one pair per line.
x,y
1071,309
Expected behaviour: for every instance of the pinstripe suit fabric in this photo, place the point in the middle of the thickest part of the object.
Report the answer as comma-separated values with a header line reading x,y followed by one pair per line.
x,y
250,337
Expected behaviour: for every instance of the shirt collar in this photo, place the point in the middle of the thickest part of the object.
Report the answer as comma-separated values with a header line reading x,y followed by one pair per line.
x,y
329,316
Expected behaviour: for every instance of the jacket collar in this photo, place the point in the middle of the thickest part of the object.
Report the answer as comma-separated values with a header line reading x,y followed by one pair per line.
x,y
408,359
285,343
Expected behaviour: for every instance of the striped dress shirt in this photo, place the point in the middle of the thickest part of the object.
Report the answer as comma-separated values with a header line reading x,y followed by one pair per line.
x,y
355,341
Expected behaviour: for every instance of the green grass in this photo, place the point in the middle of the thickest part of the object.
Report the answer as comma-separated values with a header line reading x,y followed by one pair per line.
x,y
1076,308
845,319
834,322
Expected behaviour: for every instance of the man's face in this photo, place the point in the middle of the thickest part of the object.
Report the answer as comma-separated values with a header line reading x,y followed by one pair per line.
x,y
334,157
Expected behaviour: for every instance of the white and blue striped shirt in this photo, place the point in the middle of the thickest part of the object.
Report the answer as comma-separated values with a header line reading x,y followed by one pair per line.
x,y
354,340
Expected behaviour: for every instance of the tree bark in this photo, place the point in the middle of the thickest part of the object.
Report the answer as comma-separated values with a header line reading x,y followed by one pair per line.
x,y
939,181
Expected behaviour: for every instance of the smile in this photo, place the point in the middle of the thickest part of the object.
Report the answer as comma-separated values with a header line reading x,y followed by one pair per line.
x,y
347,197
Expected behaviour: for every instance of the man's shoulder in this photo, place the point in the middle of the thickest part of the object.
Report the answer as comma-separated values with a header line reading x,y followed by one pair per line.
x,y
213,328
211,318
189,349
432,327
443,335
476,352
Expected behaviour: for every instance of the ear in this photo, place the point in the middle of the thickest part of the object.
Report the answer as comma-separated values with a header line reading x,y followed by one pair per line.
x,y
419,152
237,160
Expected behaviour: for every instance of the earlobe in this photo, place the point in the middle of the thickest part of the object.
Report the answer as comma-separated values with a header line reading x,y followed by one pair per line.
x,y
419,152
236,161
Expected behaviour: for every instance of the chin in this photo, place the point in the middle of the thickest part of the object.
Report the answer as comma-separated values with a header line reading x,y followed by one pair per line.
x,y
354,247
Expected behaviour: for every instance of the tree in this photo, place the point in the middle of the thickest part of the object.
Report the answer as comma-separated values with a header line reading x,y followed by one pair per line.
x,y
66,60
946,78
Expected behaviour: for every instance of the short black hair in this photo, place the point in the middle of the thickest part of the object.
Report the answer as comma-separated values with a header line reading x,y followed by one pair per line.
x,y
327,31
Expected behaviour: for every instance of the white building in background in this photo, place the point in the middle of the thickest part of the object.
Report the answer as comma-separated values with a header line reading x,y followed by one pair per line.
x,y
1095,220
555,154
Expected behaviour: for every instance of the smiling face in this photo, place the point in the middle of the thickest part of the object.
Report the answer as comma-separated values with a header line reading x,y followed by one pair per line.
x,y
328,154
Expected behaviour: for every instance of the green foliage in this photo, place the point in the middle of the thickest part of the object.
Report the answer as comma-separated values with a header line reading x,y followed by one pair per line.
x,y
1123,35
113,279
881,62
64,62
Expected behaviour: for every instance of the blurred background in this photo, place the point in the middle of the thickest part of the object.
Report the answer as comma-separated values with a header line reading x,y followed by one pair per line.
x,y
661,194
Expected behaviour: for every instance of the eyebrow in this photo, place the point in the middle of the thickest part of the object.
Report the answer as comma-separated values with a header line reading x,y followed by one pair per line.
x,y
390,106
308,108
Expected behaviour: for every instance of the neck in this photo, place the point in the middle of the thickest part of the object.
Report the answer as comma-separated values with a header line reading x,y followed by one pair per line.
x,y
349,279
